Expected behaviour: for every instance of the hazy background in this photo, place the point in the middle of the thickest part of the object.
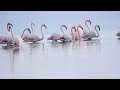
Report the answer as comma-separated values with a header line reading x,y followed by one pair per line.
x,y
108,20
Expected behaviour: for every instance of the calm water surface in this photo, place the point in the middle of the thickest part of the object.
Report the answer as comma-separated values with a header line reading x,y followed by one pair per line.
x,y
98,58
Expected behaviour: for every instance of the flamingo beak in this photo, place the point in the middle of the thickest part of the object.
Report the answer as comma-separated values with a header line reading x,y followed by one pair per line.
x,y
10,24
45,26
64,26
81,27
98,27
88,21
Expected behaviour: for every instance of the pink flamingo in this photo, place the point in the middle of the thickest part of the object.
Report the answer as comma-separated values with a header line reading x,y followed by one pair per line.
x,y
85,31
4,37
34,37
11,39
26,36
68,37
92,34
80,32
56,36
76,33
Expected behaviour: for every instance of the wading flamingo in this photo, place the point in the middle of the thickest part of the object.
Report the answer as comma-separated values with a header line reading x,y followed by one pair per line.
x,y
68,37
92,34
26,36
12,39
76,33
34,37
56,36
85,31
80,31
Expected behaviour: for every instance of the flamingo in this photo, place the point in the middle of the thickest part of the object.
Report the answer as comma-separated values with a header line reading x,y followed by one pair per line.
x,y
56,36
26,37
118,34
92,34
34,37
12,39
80,32
68,37
76,33
8,33
85,31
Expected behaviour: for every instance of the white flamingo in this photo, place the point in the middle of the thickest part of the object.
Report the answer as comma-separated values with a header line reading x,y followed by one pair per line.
x,y
85,31
56,36
12,39
8,34
68,37
26,36
80,31
34,37
92,34
76,33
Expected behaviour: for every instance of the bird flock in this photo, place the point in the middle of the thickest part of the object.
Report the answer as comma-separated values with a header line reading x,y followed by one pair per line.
x,y
76,33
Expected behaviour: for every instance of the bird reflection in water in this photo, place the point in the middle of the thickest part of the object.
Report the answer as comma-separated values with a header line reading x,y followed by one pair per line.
x,y
16,57
36,50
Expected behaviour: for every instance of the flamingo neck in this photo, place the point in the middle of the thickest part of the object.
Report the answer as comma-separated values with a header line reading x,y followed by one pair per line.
x,y
12,34
62,30
73,36
24,32
87,26
79,32
97,31
42,33
32,27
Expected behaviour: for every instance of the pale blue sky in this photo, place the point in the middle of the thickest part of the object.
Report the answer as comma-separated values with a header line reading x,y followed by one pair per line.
x,y
108,20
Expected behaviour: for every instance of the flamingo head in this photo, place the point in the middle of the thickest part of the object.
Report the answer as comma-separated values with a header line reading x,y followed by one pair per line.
x,y
88,21
98,27
43,25
28,30
9,26
79,26
64,26
74,28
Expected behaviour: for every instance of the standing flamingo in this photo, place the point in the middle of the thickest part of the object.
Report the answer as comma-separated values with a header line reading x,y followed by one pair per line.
x,y
85,31
92,34
8,34
34,37
80,31
26,36
76,33
68,37
56,36
12,39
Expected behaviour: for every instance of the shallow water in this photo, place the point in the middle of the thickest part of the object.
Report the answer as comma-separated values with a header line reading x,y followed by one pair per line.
x,y
98,58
